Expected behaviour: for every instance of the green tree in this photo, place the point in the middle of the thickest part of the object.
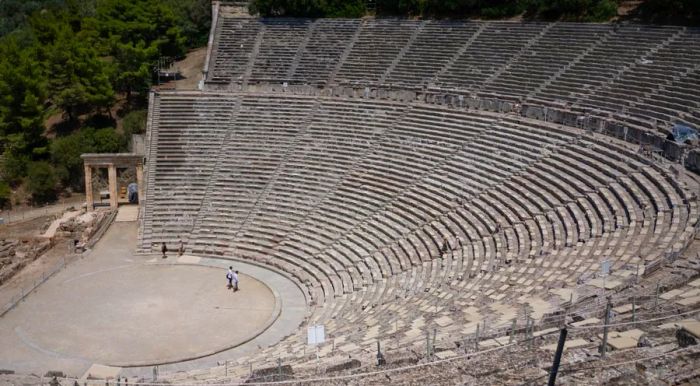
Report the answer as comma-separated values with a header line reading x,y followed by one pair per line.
x,y
79,79
66,151
133,67
90,48
604,10
671,11
14,13
134,122
308,8
81,8
572,10
5,194
41,182
147,21
107,140
15,158
193,18
23,92
22,98
138,32
65,154
342,8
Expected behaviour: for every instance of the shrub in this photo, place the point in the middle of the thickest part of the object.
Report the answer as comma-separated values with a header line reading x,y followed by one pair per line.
x,y
134,123
66,151
603,11
309,8
41,182
5,194
14,166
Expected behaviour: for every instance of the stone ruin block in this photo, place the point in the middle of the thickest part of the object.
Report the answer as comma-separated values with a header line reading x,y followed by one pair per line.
x,y
534,112
685,338
568,118
507,106
347,365
277,373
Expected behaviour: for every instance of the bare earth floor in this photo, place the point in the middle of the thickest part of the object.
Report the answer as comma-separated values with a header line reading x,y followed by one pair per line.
x,y
119,309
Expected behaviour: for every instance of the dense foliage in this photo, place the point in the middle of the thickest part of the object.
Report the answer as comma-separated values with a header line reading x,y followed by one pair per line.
x,y
671,11
309,8
674,11
76,63
14,13
589,10
41,182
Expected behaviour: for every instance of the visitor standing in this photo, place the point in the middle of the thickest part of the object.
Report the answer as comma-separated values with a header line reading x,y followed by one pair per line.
x,y
164,249
235,281
229,277
181,248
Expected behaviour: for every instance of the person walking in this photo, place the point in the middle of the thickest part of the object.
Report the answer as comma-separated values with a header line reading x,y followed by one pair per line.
x,y
164,249
181,248
235,281
229,277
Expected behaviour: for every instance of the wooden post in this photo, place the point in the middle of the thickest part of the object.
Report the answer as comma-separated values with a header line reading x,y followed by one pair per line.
x,y
557,357
476,338
427,345
604,347
656,300
432,345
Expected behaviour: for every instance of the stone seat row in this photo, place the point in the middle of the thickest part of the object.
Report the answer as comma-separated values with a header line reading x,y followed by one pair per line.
x,y
593,66
318,271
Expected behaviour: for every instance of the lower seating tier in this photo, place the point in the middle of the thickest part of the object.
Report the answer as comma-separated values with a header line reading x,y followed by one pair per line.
x,y
387,208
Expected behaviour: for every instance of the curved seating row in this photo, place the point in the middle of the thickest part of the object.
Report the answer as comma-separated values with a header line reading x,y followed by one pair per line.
x,y
643,74
388,212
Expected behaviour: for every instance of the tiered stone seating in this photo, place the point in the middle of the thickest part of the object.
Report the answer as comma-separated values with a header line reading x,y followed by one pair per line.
x,y
234,42
370,55
605,61
396,216
322,53
182,156
640,75
280,41
431,50
551,53
495,46
634,92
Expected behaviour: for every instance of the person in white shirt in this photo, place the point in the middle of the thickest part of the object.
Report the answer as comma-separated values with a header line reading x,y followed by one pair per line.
x,y
229,277
235,281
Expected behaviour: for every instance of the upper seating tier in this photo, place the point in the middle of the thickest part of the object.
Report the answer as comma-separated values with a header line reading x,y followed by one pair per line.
x,y
643,74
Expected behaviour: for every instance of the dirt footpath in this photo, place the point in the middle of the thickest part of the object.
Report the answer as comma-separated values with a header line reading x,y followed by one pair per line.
x,y
190,70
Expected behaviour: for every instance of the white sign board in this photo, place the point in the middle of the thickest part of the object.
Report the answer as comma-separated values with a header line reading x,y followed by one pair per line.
x,y
605,267
316,334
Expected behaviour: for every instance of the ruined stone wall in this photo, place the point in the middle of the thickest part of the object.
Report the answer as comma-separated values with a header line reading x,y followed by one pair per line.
x,y
16,254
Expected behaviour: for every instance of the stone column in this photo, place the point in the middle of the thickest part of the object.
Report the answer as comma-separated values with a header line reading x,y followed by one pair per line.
x,y
113,195
89,200
140,183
